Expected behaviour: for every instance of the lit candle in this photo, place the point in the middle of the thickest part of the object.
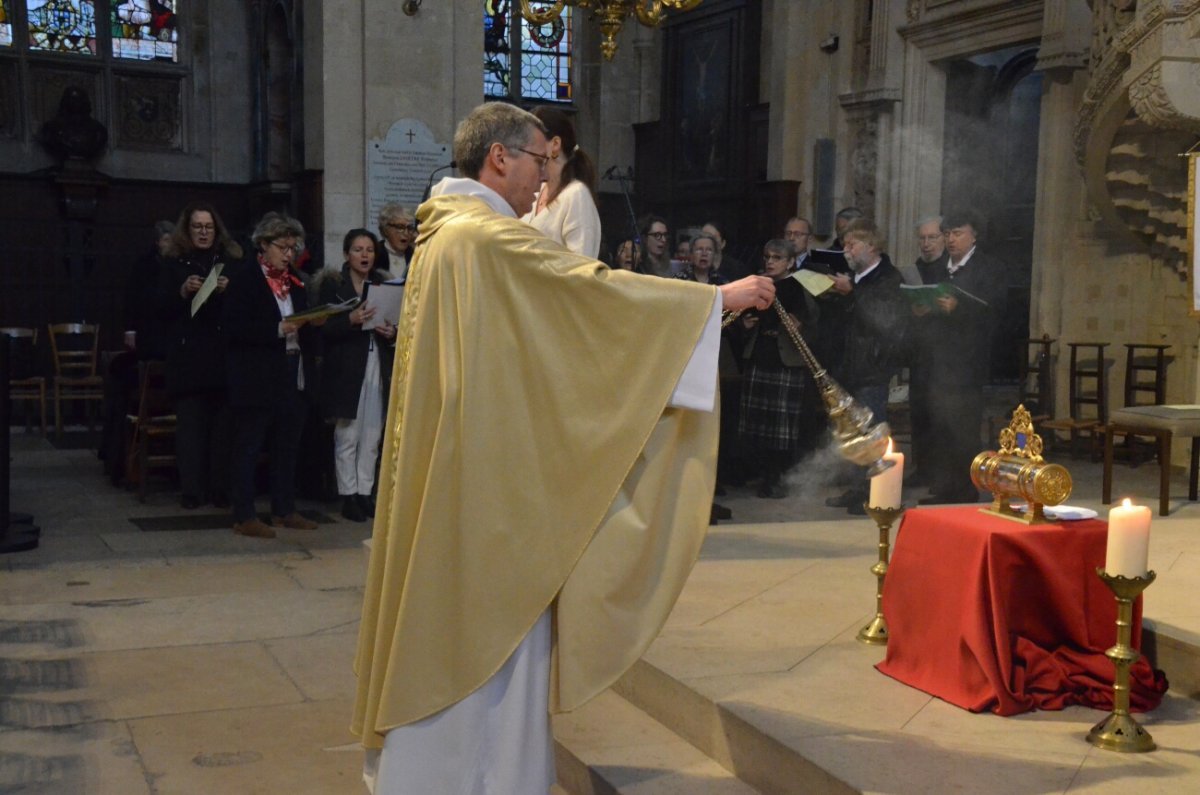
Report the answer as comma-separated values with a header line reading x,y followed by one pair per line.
x,y
886,486
1128,540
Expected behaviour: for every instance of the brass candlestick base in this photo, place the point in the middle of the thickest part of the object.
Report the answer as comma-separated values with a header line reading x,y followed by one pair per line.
x,y
876,632
1119,731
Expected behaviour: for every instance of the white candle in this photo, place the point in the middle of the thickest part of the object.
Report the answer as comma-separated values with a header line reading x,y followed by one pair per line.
x,y
886,486
1128,540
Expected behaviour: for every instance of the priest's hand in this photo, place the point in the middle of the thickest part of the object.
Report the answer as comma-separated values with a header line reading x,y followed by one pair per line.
x,y
752,292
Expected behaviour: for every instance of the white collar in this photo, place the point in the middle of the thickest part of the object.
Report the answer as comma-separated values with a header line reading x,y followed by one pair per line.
x,y
465,186
858,277
952,266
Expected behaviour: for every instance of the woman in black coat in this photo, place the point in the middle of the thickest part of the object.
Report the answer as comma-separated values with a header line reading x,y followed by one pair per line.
x,y
271,368
770,419
355,373
195,351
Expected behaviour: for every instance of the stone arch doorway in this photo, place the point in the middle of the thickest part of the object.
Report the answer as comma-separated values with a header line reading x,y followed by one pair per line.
x,y
989,166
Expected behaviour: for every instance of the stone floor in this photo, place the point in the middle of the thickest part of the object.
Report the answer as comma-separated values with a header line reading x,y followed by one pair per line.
x,y
202,662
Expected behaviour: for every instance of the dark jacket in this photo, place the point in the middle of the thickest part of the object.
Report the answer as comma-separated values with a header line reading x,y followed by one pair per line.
x,y
346,347
956,347
877,316
257,368
195,345
768,343
141,306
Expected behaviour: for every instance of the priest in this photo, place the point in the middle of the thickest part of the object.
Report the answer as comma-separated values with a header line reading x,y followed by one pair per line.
x,y
545,483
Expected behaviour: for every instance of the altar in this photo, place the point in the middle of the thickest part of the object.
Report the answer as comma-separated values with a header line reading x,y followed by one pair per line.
x,y
988,613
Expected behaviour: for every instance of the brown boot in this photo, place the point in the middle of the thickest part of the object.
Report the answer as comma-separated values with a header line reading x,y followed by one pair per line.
x,y
293,521
253,528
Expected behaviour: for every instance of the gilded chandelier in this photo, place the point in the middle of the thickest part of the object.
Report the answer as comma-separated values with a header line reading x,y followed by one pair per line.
x,y
611,14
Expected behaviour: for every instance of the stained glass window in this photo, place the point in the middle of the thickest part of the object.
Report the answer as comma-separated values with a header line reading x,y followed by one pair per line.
x,y
546,59
5,24
543,70
496,29
144,30
62,25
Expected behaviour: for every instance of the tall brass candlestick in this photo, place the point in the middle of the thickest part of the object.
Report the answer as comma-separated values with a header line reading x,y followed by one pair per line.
x,y
1119,731
876,632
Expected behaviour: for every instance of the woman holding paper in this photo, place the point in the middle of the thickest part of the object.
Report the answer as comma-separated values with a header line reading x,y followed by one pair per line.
x,y
356,371
191,293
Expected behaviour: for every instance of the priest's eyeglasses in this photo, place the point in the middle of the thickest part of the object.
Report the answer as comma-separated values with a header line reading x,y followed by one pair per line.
x,y
543,160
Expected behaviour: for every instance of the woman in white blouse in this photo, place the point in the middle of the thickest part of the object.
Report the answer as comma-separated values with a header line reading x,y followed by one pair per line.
x,y
566,208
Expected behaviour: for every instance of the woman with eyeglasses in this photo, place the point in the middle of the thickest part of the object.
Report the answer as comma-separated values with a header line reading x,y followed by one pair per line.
x,y
699,266
398,228
565,209
356,371
200,247
770,422
271,372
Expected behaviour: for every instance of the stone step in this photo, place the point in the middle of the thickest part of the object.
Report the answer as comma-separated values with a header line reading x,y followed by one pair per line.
x,y
609,746
1175,650
737,745
761,753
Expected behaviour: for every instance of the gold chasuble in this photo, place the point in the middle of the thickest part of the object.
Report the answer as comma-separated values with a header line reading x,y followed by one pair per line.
x,y
530,459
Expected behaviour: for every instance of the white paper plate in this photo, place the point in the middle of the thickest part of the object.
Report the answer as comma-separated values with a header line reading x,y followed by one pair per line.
x,y
1061,513
1069,513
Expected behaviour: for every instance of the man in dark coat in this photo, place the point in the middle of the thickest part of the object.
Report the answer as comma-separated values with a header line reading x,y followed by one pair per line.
x,y
931,265
956,357
876,322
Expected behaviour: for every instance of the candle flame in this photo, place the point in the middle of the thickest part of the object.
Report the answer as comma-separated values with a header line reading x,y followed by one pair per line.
x,y
889,450
1125,503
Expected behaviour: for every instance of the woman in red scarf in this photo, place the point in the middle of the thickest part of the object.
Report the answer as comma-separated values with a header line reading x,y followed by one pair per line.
x,y
271,372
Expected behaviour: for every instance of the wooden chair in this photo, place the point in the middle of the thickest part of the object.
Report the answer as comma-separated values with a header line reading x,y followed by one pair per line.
x,y
22,383
1034,387
74,347
153,428
1087,396
1036,392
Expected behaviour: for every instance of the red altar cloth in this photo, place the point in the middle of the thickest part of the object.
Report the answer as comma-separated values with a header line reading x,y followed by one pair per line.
x,y
991,614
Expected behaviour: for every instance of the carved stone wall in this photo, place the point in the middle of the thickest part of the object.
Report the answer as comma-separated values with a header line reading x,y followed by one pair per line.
x,y
1141,109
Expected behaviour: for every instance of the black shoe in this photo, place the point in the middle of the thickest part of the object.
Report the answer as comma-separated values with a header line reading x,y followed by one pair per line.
x,y
367,503
721,512
189,502
219,499
352,510
857,508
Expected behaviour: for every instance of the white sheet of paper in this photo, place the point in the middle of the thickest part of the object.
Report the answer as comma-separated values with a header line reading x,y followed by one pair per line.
x,y
385,299
206,289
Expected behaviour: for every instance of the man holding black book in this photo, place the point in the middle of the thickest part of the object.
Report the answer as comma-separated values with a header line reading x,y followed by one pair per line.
x,y
955,353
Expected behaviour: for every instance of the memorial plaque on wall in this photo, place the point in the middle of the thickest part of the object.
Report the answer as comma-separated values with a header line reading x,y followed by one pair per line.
x,y
399,166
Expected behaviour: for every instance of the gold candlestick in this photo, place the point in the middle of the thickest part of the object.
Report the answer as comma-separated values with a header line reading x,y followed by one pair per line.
x,y
1119,731
876,632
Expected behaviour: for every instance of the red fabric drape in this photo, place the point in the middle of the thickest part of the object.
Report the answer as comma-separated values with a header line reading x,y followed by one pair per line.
x,y
990,614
